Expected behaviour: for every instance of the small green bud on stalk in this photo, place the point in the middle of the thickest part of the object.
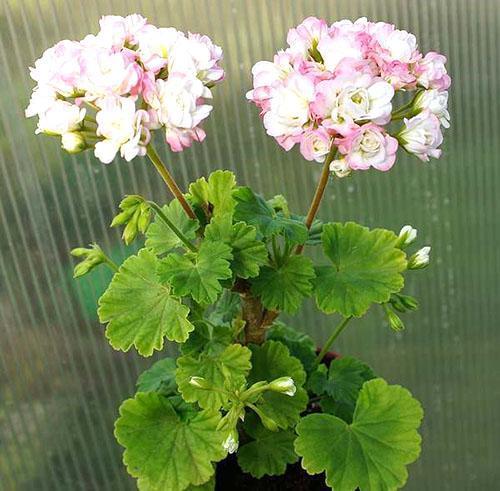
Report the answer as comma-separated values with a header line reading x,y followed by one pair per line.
x,y
411,303
285,385
135,215
394,320
420,259
265,420
92,257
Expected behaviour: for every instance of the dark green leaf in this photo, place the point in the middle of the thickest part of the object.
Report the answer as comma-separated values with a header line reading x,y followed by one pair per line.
x,y
159,378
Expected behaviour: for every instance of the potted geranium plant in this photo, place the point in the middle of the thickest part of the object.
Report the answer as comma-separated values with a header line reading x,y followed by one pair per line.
x,y
220,263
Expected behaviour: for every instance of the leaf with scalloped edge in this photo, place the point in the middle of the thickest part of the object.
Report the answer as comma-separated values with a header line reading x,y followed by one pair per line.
x,y
160,237
160,377
365,268
198,274
373,451
248,253
216,192
270,361
284,287
269,452
166,450
230,366
140,310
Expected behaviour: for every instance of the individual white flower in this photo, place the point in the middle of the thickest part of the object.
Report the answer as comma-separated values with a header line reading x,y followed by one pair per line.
x,y
285,385
73,142
230,444
422,135
177,101
340,167
420,259
196,55
401,45
289,108
42,98
156,46
362,102
335,49
122,128
108,73
61,117
436,102
407,236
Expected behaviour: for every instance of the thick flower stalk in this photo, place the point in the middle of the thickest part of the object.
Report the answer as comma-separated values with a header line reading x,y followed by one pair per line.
x,y
338,86
109,91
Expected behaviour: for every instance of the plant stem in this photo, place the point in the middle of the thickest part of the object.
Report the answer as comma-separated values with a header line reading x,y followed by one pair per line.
x,y
320,191
171,226
169,181
335,334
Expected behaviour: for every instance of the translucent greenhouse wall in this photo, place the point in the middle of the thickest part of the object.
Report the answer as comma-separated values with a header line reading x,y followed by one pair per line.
x,y
61,383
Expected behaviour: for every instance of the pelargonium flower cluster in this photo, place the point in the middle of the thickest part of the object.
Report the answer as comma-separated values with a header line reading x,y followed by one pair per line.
x,y
336,86
108,91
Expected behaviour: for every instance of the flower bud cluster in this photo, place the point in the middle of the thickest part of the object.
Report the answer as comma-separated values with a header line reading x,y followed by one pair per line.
x,y
335,86
108,91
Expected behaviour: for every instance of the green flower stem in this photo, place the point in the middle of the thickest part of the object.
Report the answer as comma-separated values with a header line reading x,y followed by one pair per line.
x,y
171,226
110,263
335,334
320,191
169,181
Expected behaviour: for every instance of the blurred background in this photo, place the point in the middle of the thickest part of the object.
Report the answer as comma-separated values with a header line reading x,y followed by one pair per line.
x,y
60,381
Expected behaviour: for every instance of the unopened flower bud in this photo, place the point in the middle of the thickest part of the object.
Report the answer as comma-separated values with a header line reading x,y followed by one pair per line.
x,y
411,303
92,257
285,385
406,236
199,382
420,259
73,142
394,320
230,444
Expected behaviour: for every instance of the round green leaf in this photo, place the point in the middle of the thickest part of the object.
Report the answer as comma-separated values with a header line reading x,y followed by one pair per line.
x,y
198,274
163,450
140,310
365,269
284,287
373,451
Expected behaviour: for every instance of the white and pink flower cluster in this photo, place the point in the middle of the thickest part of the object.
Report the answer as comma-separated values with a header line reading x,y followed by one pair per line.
x,y
108,91
336,86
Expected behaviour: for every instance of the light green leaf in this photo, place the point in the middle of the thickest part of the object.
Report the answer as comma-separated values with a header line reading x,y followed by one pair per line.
x,y
217,192
227,368
284,287
160,237
365,269
208,486
248,253
212,339
373,451
164,451
159,378
140,310
270,361
300,344
220,191
198,274
269,452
